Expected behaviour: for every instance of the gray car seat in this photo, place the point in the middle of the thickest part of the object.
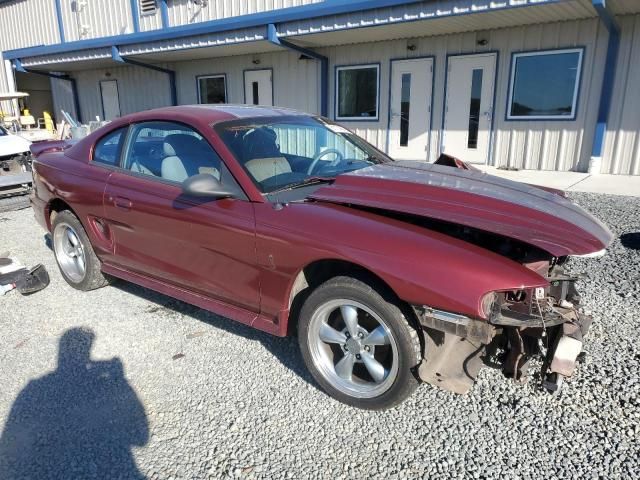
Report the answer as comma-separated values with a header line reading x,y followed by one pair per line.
x,y
185,156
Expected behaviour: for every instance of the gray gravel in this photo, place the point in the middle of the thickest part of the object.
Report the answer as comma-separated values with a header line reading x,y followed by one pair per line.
x,y
172,391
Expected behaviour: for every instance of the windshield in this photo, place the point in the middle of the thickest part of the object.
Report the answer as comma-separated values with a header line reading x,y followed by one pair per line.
x,y
282,153
3,132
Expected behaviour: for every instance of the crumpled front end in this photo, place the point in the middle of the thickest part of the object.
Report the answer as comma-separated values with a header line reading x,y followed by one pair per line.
x,y
543,326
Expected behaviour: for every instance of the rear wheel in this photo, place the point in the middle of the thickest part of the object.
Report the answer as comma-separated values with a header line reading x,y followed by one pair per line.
x,y
76,259
359,347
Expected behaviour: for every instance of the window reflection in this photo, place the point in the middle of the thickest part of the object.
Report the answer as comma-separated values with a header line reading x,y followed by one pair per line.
x,y
474,108
405,99
544,85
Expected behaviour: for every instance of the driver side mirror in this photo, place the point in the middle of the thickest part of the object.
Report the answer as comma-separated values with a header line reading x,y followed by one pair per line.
x,y
205,185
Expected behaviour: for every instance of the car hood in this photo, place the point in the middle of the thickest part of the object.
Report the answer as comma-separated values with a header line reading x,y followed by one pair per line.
x,y
13,144
474,199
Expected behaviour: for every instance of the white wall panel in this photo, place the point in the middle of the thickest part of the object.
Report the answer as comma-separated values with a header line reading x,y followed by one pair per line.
x,y
622,142
183,12
549,145
295,82
27,24
96,18
138,89
62,94
150,21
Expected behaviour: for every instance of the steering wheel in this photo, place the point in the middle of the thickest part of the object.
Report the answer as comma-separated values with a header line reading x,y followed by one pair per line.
x,y
324,153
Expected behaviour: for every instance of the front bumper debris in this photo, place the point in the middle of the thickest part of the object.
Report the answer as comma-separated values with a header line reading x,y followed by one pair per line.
x,y
549,326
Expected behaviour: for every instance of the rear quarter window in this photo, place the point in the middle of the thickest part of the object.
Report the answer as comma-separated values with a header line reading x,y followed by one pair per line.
x,y
107,149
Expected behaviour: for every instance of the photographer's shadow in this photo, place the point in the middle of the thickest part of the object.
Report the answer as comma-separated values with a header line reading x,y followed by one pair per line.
x,y
79,421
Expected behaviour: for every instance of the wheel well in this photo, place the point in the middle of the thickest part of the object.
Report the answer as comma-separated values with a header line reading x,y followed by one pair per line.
x,y
55,206
318,272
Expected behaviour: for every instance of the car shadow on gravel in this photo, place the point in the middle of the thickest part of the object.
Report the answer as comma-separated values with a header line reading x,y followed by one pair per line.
x,y
630,240
78,421
284,349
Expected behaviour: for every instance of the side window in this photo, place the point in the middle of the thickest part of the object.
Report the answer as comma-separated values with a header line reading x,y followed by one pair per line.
x,y
170,151
107,149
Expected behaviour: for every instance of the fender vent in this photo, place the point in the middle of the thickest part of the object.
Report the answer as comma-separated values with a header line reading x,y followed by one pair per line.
x,y
148,6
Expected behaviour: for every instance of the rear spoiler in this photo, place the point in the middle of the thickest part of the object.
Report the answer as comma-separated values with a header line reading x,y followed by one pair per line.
x,y
48,146
449,161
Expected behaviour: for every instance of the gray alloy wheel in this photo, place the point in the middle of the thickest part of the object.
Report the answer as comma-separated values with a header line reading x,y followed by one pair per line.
x,y
69,252
358,345
77,261
353,348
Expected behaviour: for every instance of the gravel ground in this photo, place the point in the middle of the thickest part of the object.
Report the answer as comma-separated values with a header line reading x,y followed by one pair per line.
x,y
171,391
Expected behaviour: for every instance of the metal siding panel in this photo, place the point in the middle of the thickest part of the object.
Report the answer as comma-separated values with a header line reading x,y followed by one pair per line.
x,y
96,18
6,106
150,21
183,12
295,82
622,7
548,145
545,145
130,78
622,142
32,21
62,98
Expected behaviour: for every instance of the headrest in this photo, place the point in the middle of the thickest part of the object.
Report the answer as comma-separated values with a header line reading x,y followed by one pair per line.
x,y
181,144
260,143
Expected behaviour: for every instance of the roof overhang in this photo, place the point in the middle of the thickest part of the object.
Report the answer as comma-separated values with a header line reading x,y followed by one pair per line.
x,y
328,23
415,21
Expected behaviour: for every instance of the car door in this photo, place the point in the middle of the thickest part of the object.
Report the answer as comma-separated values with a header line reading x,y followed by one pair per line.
x,y
204,245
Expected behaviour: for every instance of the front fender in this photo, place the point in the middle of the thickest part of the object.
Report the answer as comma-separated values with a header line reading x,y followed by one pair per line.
x,y
421,266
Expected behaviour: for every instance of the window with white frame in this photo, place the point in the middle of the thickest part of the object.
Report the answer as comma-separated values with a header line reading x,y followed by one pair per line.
x,y
544,85
357,92
212,89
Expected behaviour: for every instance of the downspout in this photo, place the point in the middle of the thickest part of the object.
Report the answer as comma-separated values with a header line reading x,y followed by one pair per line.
x,y
608,20
272,36
58,7
74,87
115,55
164,13
135,16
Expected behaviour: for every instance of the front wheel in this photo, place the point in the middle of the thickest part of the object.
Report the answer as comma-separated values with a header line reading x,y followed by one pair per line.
x,y
360,348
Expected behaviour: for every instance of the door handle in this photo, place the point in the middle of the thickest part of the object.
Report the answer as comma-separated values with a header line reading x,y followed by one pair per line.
x,y
122,203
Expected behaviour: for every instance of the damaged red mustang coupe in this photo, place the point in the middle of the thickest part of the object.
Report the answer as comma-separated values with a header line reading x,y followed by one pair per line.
x,y
390,273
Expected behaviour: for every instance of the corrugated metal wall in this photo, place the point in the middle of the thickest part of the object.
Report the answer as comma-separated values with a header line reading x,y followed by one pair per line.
x,y
62,98
538,145
25,24
622,143
95,18
295,82
550,145
28,23
138,89
186,11
561,145
150,21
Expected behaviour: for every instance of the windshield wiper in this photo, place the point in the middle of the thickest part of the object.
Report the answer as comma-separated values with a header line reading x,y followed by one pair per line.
x,y
304,183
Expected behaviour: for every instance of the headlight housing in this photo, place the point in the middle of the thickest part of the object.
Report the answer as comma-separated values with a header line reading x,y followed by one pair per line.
x,y
490,305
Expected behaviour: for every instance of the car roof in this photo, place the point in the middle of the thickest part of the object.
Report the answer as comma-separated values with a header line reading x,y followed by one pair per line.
x,y
212,114
198,116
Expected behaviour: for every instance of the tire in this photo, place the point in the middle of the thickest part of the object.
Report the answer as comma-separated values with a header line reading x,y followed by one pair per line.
x,y
364,359
72,250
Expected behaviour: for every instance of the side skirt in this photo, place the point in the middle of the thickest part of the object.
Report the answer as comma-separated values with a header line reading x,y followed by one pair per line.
x,y
218,307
